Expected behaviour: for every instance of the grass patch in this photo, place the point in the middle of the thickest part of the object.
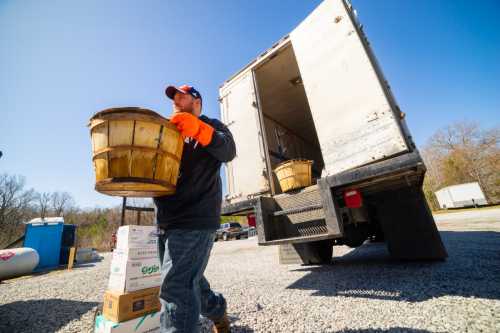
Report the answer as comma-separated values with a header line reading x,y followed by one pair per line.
x,y
93,235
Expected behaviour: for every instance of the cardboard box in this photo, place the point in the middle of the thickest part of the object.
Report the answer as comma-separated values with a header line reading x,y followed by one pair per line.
x,y
131,275
120,307
136,253
130,236
149,323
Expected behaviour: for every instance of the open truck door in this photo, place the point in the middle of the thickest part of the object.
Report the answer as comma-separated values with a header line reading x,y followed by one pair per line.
x,y
356,122
246,173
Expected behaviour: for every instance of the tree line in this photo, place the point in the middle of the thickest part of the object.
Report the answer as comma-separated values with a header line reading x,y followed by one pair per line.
x,y
95,226
18,205
461,153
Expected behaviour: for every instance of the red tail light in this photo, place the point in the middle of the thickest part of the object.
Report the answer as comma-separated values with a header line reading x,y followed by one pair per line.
x,y
353,199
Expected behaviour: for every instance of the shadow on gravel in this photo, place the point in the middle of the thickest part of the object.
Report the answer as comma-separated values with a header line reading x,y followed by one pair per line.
x,y
85,265
472,270
41,315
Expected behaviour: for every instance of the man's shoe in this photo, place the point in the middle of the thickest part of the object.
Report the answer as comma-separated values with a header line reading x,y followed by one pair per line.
x,y
222,325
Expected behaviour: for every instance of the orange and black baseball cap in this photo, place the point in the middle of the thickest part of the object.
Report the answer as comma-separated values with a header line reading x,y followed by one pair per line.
x,y
170,91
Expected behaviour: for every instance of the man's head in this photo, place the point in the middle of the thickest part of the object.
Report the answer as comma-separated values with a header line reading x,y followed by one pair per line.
x,y
185,99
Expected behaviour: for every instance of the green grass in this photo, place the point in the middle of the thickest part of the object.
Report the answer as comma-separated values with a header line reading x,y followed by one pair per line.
x,y
94,235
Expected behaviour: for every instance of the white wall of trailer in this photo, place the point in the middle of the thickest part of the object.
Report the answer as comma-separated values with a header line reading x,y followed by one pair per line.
x,y
462,195
245,173
354,119
444,198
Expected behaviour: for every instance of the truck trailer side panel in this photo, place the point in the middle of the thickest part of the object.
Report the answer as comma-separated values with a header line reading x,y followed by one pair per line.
x,y
245,173
468,194
355,122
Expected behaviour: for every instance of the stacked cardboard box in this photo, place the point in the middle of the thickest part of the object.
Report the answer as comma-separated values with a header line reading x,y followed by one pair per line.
x,y
131,303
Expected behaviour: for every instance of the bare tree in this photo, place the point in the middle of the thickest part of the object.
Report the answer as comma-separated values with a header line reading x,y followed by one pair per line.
x,y
60,202
43,200
72,215
15,206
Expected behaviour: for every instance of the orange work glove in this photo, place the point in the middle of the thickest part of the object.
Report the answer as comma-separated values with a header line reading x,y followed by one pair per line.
x,y
192,127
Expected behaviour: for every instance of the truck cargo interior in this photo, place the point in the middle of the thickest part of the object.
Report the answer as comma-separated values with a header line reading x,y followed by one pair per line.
x,y
288,122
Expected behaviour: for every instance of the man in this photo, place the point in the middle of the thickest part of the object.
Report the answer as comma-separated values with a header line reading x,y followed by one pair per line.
x,y
188,219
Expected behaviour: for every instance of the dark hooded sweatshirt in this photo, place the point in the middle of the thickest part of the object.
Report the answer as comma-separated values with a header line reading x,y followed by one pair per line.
x,y
197,201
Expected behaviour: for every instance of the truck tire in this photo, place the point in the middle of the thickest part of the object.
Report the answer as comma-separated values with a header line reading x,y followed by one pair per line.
x,y
378,237
355,236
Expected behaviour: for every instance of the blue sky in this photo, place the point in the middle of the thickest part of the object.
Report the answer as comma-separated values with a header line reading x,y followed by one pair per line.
x,y
60,62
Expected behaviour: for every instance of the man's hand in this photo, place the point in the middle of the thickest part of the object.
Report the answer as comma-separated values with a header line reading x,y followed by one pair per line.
x,y
192,127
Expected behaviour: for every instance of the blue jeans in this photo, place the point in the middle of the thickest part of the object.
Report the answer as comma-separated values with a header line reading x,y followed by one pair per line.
x,y
185,292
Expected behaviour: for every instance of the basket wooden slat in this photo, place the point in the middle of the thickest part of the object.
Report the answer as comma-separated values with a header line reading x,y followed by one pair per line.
x,y
294,174
136,152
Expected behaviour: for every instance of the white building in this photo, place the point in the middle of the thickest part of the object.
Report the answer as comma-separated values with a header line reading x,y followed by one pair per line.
x,y
462,195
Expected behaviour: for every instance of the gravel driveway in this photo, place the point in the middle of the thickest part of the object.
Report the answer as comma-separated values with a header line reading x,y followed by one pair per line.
x,y
362,291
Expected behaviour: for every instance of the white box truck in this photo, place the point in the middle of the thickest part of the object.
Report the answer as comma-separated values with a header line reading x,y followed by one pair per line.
x,y
462,195
319,94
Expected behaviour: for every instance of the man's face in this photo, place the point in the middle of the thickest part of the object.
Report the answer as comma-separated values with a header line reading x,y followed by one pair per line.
x,y
186,103
182,103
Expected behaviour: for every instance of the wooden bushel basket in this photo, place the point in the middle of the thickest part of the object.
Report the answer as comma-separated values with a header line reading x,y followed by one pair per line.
x,y
135,152
294,174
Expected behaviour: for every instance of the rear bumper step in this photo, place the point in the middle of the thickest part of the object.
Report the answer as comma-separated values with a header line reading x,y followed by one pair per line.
x,y
298,210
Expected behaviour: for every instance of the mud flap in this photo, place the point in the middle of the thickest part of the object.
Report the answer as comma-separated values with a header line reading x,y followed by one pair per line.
x,y
310,253
408,226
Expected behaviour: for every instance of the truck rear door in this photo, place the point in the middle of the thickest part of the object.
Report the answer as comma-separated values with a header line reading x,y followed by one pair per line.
x,y
245,173
350,103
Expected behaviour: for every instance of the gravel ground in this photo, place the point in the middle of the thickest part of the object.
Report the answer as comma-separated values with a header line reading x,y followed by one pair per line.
x,y
486,214
362,291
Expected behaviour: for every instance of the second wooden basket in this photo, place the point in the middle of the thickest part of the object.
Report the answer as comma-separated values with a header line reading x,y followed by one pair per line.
x,y
294,174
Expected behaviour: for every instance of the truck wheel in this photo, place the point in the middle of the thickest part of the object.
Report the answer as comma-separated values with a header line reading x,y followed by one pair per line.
x,y
355,236
378,237
224,237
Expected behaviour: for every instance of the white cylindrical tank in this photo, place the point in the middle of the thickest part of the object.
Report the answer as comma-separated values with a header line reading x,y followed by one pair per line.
x,y
15,262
